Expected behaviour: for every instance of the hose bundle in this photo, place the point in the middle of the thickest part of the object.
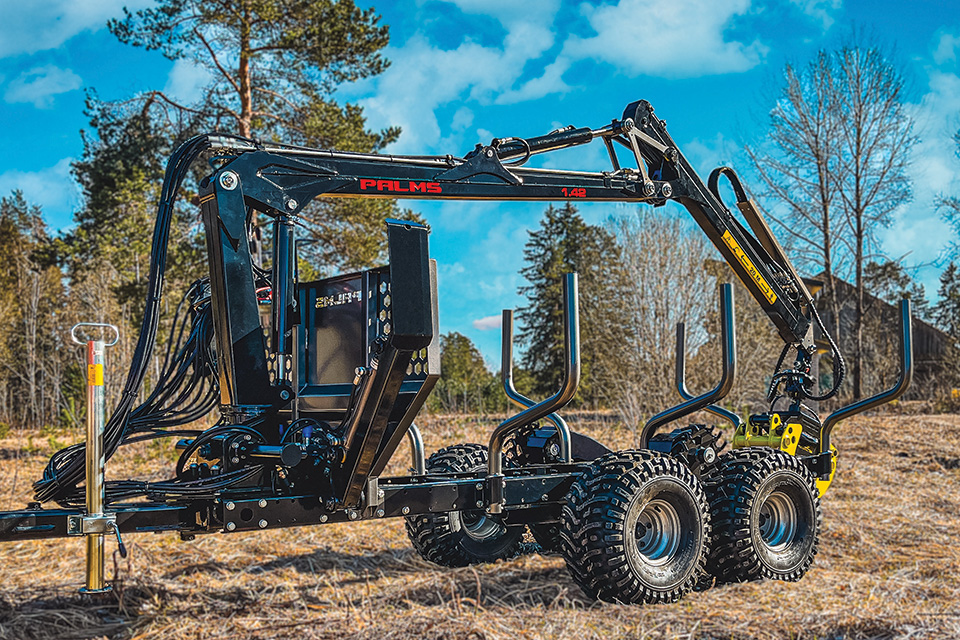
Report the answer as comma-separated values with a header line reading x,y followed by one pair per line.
x,y
186,389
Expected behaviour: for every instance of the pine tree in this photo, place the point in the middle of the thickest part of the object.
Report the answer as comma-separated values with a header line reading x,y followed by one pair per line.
x,y
274,67
889,281
946,313
947,310
565,243
464,380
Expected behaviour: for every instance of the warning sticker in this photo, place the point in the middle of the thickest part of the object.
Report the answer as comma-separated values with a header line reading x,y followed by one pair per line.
x,y
748,265
95,375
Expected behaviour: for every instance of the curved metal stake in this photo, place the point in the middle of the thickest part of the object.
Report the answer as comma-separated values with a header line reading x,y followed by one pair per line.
x,y
894,392
416,450
685,394
728,339
520,400
568,389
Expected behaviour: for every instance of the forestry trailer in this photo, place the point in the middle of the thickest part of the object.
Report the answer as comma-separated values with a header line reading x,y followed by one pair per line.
x,y
316,395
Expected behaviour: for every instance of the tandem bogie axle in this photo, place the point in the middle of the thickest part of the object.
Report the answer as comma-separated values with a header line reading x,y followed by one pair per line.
x,y
319,383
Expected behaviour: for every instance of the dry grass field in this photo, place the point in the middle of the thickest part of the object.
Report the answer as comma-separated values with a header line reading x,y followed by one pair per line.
x,y
889,566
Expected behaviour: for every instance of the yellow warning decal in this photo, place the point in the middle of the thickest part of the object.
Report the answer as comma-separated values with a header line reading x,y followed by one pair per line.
x,y
752,270
95,375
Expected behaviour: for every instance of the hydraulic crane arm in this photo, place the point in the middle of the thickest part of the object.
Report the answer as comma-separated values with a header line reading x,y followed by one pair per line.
x,y
284,179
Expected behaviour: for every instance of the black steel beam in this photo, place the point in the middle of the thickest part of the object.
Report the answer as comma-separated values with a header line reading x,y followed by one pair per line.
x,y
530,494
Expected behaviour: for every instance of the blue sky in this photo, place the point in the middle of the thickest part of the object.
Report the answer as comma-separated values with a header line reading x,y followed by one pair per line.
x,y
464,71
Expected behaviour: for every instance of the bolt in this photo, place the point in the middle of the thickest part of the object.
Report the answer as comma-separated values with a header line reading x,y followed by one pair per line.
x,y
380,513
479,486
235,460
262,503
352,514
489,153
666,190
380,493
284,394
228,180
709,455
231,526
235,445
323,518
263,524
405,510
544,497
248,437
649,188
230,506
480,504
292,204
554,449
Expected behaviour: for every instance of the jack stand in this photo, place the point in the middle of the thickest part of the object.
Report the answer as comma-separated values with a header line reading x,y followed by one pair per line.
x,y
95,524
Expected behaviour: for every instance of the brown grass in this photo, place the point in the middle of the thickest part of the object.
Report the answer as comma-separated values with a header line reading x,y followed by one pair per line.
x,y
889,566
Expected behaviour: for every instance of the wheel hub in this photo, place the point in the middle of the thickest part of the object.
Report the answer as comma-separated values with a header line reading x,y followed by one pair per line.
x,y
658,532
476,524
778,521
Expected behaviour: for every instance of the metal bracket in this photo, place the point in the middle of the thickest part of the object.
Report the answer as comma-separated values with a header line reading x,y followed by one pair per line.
x,y
92,524
483,160
494,486
373,493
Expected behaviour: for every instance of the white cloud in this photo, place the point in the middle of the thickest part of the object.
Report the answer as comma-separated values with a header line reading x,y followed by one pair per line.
x,y
509,11
52,188
489,323
462,119
39,25
40,85
706,155
821,10
186,81
550,81
918,231
683,38
423,77
946,49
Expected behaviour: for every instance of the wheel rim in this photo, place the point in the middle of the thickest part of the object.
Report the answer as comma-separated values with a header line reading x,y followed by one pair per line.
x,y
658,532
477,525
778,521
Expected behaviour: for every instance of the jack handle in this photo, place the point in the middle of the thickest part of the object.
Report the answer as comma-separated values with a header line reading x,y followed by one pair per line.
x,y
520,400
568,389
95,523
731,417
728,340
894,392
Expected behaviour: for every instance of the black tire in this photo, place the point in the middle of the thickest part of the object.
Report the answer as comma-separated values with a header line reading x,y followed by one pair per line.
x,y
765,511
609,551
461,538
